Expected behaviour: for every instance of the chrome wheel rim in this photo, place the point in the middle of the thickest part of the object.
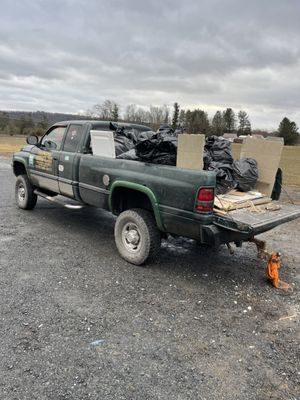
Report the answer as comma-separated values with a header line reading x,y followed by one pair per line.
x,y
21,193
131,237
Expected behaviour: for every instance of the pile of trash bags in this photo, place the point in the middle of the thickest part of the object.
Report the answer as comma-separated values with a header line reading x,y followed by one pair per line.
x,y
240,174
161,148
154,147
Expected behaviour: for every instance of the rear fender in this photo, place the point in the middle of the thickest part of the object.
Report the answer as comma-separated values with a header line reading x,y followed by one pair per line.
x,y
139,188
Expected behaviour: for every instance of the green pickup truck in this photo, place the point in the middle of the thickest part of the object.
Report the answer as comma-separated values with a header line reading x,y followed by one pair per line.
x,y
149,200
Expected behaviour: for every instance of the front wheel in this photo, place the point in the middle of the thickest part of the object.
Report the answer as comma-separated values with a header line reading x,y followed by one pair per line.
x,y
137,236
24,194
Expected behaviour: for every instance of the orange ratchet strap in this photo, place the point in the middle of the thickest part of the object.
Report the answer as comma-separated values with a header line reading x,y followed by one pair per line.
x,y
272,272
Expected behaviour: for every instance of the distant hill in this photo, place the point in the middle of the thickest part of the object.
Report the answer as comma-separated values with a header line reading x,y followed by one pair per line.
x,y
40,116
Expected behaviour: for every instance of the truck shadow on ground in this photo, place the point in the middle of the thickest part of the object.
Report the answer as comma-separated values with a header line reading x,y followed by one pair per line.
x,y
179,256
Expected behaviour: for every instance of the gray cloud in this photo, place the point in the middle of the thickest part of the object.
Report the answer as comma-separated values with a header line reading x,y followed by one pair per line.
x,y
71,54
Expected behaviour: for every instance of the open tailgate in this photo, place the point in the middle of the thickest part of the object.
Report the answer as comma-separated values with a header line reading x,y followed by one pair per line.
x,y
246,221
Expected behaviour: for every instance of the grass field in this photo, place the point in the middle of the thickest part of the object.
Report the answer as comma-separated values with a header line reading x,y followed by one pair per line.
x,y
290,159
11,144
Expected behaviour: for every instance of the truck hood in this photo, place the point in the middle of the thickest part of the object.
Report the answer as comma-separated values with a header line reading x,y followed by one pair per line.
x,y
27,148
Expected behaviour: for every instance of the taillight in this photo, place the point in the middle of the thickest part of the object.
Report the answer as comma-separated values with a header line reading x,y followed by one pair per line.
x,y
205,200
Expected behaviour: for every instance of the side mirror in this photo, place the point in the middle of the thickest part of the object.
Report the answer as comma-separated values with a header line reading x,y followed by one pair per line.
x,y
49,145
33,140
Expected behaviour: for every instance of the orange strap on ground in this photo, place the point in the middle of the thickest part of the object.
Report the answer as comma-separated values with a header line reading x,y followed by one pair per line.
x,y
272,272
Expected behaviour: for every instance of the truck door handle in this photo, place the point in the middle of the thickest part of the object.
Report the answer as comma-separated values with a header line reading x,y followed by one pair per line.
x,y
55,158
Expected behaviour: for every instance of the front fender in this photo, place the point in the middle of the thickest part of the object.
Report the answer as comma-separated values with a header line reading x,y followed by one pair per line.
x,y
19,160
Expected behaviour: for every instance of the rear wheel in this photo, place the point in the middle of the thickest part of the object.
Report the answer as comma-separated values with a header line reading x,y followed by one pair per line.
x,y
25,197
137,236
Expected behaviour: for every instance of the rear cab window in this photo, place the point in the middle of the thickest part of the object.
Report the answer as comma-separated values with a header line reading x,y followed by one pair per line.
x,y
73,138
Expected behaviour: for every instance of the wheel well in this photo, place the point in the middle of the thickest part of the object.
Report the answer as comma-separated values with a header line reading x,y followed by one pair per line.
x,y
124,199
19,168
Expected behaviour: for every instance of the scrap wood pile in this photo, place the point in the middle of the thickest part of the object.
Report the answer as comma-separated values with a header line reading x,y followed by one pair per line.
x,y
235,200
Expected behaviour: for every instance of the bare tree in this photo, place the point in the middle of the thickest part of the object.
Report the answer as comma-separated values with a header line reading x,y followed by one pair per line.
x,y
130,113
107,110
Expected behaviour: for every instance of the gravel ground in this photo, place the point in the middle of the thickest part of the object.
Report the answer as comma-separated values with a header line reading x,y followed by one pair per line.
x,y
78,322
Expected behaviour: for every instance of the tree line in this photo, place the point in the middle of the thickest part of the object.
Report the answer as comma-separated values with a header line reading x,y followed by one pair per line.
x,y
190,121
24,125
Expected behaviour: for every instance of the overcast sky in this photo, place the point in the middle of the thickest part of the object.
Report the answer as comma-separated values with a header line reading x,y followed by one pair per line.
x,y
67,55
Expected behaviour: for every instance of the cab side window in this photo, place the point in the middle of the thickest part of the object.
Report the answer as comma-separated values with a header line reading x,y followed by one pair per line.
x,y
53,139
72,138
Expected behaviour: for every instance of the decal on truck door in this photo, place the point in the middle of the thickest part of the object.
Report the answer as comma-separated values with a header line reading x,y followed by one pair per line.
x,y
44,160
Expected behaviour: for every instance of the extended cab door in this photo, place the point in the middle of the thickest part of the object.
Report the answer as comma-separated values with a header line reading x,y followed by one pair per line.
x,y
69,160
43,160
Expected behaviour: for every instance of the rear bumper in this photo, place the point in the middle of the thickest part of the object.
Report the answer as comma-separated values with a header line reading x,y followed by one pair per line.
x,y
214,235
239,226
203,231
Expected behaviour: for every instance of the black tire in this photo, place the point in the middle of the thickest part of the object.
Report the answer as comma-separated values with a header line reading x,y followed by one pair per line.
x,y
25,197
137,236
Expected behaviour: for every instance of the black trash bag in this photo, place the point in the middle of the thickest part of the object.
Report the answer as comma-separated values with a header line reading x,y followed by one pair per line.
x,y
245,173
122,144
219,149
223,186
166,151
113,126
145,149
224,176
219,143
166,130
224,172
146,135
130,134
207,159
167,143
222,155
217,158
129,155
125,139
160,149
164,159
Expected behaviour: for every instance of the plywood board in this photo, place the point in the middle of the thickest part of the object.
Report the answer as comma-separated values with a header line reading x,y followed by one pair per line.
x,y
190,151
267,153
